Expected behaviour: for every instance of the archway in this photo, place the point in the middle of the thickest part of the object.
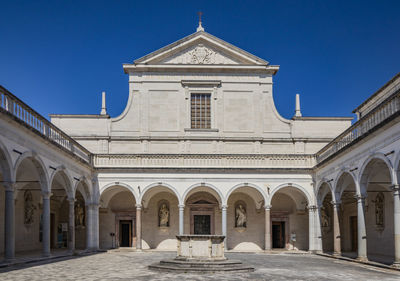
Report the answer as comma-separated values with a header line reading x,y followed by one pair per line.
x,y
346,192
245,218
61,191
82,215
202,214
375,181
117,217
32,206
325,199
289,218
160,217
5,179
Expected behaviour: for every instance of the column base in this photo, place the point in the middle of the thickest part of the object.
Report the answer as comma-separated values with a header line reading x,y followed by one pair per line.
x,y
337,254
9,260
396,264
46,255
362,259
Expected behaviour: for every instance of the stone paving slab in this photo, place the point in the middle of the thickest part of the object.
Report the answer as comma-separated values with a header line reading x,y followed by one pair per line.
x,y
133,266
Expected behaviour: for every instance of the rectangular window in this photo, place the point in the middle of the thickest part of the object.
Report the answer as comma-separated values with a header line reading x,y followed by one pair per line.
x,y
201,111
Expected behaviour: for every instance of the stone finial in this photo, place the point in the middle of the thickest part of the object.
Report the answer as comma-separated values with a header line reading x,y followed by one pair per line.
x,y
200,27
103,104
298,111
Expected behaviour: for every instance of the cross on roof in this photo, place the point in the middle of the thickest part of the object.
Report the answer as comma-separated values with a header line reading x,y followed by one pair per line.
x,y
200,28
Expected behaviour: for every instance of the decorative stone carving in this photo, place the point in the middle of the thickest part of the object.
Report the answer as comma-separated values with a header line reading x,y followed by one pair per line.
x,y
240,216
380,211
163,215
79,214
29,207
201,55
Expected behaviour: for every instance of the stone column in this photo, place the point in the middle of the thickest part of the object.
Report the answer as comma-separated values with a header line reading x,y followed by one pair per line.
x,y
317,230
361,229
71,227
224,232
396,206
9,223
311,226
95,215
268,239
138,227
46,223
181,218
337,248
89,227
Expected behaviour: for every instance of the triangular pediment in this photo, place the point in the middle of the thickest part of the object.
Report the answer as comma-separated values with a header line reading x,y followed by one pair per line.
x,y
201,48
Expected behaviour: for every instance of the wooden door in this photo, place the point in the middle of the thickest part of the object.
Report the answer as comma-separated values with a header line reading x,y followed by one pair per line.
x,y
278,234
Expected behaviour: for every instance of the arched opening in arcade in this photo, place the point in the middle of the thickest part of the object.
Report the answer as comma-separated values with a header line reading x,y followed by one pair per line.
x,y
346,193
202,214
289,219
245,219
32,212
117,218
379,211
326,217
5,179
61,194
81,215
160,218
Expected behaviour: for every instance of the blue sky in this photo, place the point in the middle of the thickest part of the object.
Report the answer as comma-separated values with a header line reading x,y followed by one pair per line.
x,y
58,56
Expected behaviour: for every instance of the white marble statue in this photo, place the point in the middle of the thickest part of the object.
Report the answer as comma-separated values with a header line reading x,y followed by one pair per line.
x,y
241,217
163,215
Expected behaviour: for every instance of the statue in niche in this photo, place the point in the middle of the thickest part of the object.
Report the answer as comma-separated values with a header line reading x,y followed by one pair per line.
x,y
240,215
79,214
29,207
379,209
324,217
163,215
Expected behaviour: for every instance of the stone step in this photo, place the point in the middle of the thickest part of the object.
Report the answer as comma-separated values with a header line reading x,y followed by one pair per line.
x,y
200,264
170,268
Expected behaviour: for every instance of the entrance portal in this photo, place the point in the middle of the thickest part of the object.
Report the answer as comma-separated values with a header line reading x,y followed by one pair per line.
x,y
125,234
202,224
278,234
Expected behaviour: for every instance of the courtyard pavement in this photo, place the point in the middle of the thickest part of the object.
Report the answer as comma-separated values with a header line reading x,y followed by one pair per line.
x,y
133,266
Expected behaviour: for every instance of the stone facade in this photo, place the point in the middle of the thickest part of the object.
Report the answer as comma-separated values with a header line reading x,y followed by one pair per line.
x,y
296,184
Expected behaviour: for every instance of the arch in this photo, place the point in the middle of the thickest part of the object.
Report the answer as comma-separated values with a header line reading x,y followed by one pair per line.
x,y
221,198
86,194
362,176
5,163
338,193
119,184
321,194
39,165
66,176
299,187
240,185
159,184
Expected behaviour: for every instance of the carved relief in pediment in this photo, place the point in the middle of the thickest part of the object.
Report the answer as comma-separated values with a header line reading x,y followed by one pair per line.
x,y
200,54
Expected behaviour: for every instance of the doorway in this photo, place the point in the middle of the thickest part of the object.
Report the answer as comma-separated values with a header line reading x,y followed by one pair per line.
x,y
202,224
278,234
353,233
125,230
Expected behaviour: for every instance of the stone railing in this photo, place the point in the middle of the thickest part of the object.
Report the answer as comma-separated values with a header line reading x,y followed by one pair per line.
x,y
373,120
10,104
204,160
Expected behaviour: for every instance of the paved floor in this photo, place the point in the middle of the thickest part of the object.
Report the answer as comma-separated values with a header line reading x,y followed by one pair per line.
x,y
133,266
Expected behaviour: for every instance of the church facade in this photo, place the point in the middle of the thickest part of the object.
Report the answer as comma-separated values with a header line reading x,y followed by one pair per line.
x,y
201,149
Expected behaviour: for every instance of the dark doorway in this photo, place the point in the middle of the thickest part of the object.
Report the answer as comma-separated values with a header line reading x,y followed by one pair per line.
x,y
125,234
202,224
353,233
278,234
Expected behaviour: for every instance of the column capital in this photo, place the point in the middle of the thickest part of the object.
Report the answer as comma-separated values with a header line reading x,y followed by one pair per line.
x,y
138,206
71,200
267,207
181,206
10,186
336,203
224,207
395,188
312,208
46,194
360,197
